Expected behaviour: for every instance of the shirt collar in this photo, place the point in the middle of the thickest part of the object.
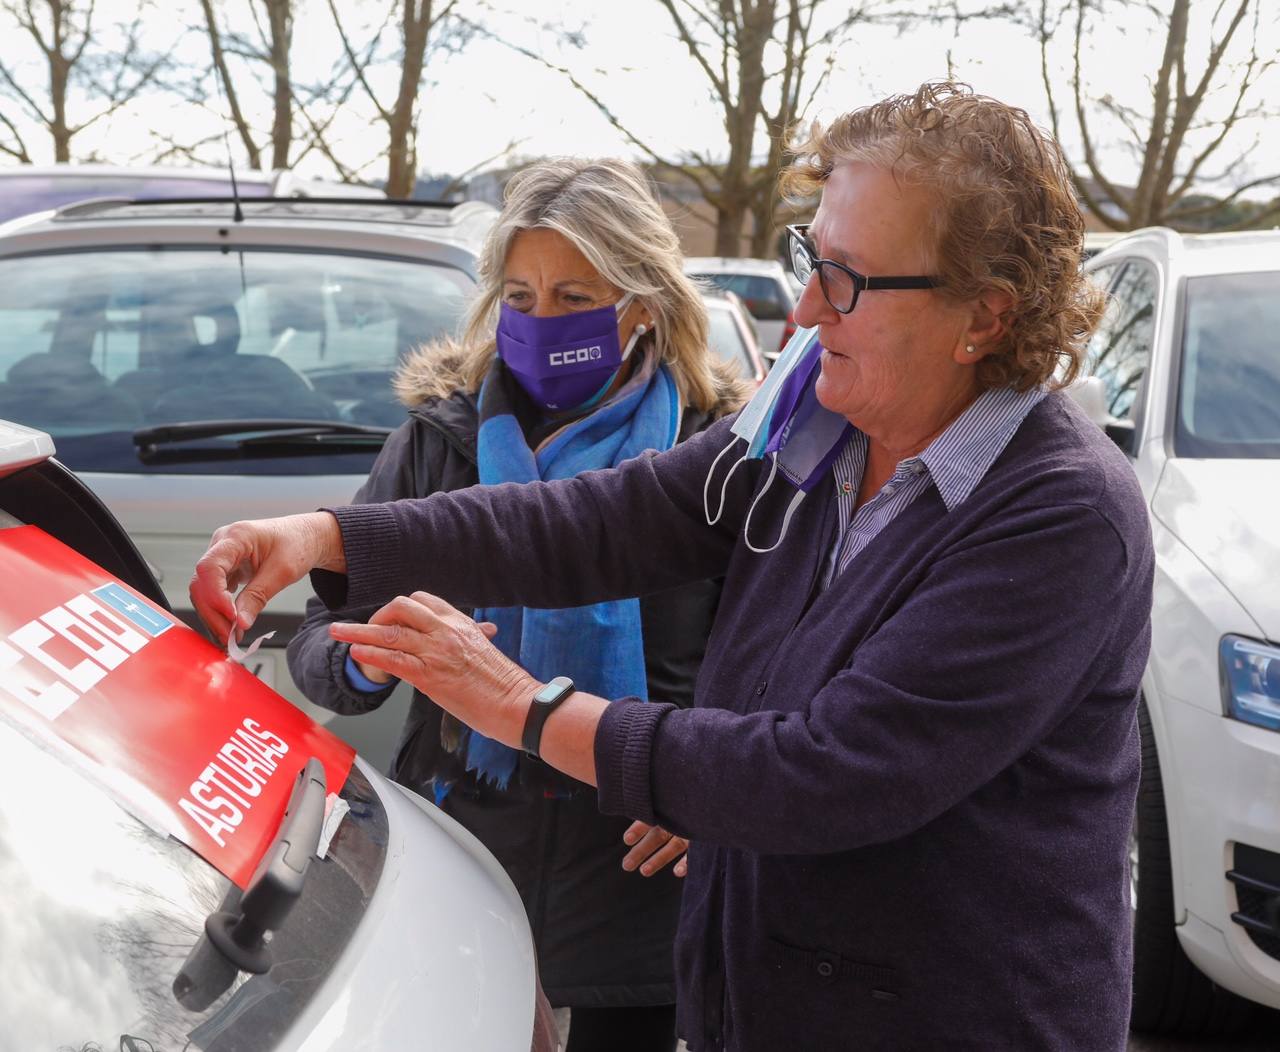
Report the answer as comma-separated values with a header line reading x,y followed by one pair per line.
x,y
959,457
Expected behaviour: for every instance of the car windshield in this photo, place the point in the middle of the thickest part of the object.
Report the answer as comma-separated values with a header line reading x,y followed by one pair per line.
x,y
95,345
22,194
99,913
1229,388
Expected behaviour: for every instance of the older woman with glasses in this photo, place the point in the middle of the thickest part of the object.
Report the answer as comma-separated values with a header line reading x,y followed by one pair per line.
x,y
909,774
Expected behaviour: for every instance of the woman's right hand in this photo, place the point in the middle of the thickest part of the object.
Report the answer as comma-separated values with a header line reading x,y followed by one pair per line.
x,y
373,674
249,562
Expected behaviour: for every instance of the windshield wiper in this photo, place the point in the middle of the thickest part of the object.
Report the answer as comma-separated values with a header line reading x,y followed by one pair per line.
x,y
233,935
194,430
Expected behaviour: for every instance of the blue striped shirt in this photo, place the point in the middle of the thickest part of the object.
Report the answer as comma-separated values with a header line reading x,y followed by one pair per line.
x,y
954,462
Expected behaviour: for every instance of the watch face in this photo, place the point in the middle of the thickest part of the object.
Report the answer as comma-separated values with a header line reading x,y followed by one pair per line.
x,y
549,693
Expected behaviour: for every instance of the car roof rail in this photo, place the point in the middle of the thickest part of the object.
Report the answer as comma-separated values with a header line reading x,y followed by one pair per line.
x,y
93,206
90,205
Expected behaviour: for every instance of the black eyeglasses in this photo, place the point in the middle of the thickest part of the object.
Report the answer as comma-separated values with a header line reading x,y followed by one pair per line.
x,y
840,284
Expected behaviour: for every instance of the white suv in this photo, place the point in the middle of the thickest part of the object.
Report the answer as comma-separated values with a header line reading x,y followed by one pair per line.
x,y
1189,354
195,368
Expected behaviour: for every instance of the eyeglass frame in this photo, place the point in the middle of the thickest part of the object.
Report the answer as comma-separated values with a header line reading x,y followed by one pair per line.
x,y
798,234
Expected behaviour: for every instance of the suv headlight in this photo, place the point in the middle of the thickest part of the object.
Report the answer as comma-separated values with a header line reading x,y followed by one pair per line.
x,y
1250,675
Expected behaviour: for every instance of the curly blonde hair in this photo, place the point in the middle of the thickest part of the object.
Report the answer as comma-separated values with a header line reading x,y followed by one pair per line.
x,y
1005,216
607,210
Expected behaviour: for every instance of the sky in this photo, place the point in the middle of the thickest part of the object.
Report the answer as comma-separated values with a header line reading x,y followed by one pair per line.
x,y
479,102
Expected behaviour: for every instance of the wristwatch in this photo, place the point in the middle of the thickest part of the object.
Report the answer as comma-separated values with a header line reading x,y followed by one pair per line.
x,y
544,704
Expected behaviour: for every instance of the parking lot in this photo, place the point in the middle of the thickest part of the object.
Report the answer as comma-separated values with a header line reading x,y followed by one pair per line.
x,y
1002,691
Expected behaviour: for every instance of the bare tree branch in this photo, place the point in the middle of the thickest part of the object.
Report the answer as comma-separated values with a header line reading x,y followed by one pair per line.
x,y
117,75
704,187
19,151
720,82
357,68
457,182
1181,134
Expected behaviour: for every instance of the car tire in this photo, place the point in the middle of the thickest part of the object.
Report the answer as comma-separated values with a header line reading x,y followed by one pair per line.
x,y
1170,995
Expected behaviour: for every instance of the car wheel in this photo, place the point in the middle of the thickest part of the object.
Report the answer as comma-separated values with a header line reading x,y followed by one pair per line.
x,y
1170,995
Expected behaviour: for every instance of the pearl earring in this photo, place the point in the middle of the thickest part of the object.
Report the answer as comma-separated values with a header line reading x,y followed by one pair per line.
x,y
641,329
970,349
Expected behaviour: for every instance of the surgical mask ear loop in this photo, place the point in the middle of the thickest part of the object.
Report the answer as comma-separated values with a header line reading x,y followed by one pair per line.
x,y
786,519
706,486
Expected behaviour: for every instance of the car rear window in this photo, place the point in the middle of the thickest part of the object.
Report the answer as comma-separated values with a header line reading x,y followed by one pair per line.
x,y
99,913
97,344
1229,385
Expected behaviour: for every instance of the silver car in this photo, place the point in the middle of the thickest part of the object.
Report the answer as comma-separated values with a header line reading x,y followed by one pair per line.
x,y
198,364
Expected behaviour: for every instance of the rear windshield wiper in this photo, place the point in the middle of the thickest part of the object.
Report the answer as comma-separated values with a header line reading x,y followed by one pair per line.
x,y
233,939
194,430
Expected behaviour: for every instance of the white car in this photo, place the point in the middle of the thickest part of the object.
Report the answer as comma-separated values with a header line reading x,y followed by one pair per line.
x,y
196,369
732,334
763,286
40,188
1189,355
188,861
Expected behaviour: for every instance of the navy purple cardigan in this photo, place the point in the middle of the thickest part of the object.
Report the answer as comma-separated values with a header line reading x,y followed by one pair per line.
x,y
909,795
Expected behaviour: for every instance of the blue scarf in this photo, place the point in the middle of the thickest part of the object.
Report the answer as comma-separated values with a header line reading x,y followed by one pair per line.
x,y
600,647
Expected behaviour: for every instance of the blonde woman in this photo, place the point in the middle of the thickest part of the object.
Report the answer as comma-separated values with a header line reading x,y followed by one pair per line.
x,y
585,346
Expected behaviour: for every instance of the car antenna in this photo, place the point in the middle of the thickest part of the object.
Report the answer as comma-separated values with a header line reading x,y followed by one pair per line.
x,y
237,215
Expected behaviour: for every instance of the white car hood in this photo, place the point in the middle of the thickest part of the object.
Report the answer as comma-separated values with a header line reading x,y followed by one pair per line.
x,y
1228,513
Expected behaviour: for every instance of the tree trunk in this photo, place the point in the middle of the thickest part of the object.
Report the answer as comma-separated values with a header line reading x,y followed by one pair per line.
x,y
740,123
59,75
280,15
762,234
402,153
1157,139
729,221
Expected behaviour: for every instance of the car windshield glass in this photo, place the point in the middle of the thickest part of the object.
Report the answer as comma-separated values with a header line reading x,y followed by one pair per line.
x,y
1229,388
726,342
97,344
99,913
22,194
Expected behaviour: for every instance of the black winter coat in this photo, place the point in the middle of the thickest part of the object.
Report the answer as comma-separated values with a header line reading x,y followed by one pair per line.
x,y
603,935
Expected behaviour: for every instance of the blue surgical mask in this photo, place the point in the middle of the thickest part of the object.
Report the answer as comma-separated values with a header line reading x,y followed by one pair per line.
x,y
789,424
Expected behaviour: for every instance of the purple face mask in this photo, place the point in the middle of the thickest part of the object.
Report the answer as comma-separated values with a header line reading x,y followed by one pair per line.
x,y
562,361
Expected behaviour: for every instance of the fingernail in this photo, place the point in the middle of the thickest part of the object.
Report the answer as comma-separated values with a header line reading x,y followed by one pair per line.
x,y
646,870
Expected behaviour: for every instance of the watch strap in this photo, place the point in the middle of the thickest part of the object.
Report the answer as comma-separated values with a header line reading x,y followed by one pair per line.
x,y
544,703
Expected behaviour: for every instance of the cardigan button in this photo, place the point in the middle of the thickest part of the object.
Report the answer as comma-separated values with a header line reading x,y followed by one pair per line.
x,y
826,967
764,684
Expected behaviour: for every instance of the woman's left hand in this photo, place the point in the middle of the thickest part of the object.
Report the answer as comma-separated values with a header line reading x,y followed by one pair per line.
x,y
449,657
653,847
